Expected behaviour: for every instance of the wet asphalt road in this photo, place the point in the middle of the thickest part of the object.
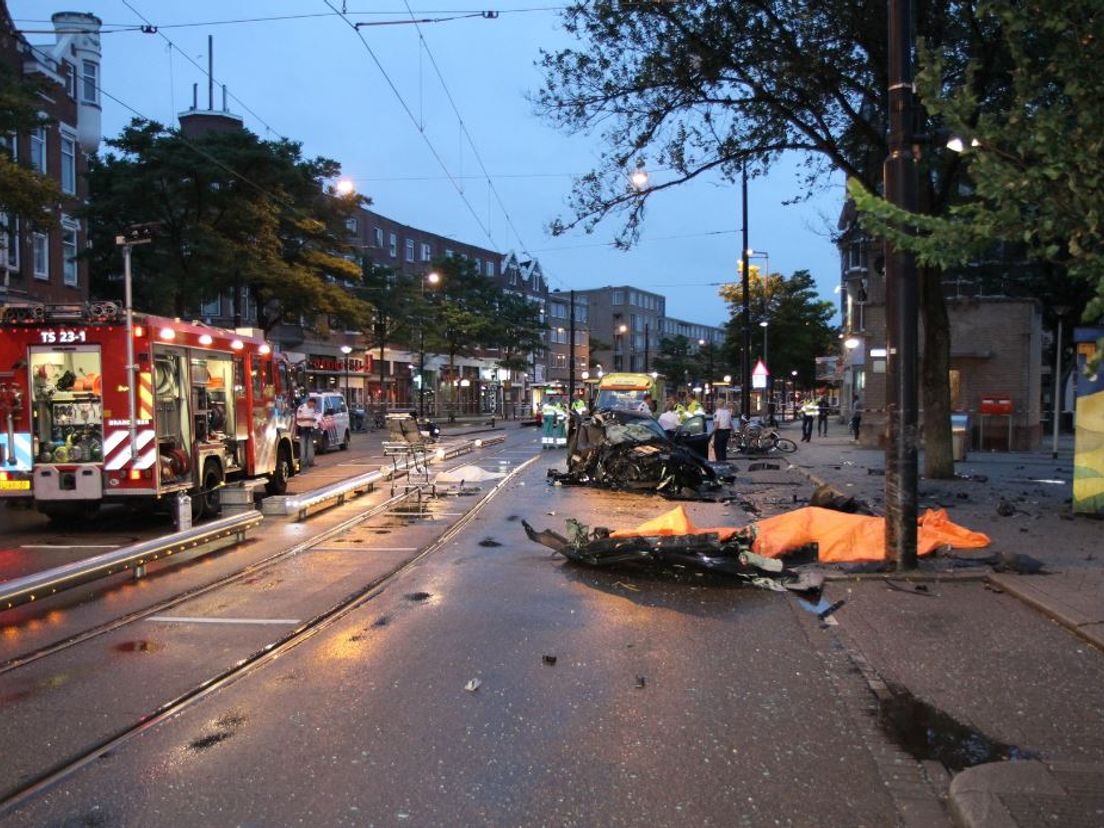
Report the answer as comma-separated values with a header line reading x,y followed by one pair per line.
x,y
668,703
681,703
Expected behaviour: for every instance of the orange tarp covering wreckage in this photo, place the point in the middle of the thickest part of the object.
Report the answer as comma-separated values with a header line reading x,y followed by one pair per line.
x,y
840,537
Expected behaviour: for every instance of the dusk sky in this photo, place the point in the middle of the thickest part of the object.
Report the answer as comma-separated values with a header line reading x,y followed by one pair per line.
x,y
311,78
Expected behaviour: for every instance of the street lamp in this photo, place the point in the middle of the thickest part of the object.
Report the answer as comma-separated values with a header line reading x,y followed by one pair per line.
x,y
621,331
432,278
765,325
345,349
793,392
760,254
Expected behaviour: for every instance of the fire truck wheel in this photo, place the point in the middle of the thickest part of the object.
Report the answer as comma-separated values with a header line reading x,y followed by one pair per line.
x,y
209,493
345,443
278,480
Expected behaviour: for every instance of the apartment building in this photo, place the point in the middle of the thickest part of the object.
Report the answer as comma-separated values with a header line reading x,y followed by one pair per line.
x,y
996,348
39,264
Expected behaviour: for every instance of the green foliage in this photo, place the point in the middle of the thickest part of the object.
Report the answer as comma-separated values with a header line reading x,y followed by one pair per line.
x,y
799,323
232,213
1035,161
518,330
24,192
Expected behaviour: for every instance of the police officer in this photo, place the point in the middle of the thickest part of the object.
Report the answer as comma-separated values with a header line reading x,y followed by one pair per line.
x,y
306,421
548,423
809,411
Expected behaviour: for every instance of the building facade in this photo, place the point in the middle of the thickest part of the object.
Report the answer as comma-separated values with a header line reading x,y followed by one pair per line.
x,y
996,348
41,264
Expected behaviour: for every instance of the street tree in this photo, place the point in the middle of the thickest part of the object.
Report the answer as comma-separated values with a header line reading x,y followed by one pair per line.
x,y
25,193
799,323
233,215
1035,164
518,330
394,299
676,362
459,312
723,86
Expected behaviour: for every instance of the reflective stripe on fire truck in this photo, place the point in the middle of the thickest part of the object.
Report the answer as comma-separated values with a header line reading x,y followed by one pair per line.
x,y
21,454
117,450
145,395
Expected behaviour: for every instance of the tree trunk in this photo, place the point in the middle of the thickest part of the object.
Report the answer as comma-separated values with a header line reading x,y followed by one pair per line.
x,y
935,377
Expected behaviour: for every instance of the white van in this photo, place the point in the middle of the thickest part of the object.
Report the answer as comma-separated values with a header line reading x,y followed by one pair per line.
x,y
333,427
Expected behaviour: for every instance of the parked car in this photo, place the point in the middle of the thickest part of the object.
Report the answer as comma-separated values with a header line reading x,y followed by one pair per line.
x,y
334,428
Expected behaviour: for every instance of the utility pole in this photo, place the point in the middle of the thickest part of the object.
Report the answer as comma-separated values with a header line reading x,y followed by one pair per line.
x,y
571,350
902,304
647,330
745,365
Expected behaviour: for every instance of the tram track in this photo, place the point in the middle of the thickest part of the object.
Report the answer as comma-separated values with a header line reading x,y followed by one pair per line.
x,y
39,779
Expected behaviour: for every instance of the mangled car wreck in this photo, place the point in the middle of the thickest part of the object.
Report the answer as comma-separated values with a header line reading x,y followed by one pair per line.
x,y
671,541
629,451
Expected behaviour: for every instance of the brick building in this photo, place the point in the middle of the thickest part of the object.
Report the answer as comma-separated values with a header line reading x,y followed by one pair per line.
x,y
995,351
41,265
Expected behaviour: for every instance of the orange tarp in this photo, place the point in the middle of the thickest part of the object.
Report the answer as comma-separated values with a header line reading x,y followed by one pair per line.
x,y
840,537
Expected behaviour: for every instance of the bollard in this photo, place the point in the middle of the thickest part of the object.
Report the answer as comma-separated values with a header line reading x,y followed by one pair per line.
x,y
182,512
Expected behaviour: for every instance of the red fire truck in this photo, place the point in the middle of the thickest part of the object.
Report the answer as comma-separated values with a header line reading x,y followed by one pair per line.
x,y
205,406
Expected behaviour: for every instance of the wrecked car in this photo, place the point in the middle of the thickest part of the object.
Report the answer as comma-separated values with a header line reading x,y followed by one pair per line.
x,y
629,451
672,542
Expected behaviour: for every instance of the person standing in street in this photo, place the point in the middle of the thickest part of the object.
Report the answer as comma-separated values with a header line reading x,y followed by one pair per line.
x,y
856,417
722,430
306,421
809,412
822,417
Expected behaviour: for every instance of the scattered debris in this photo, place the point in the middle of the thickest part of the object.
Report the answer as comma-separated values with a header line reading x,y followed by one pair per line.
x,y
917,589
876,472
550,660
828,497
1006,509
417,596
754,467
640,682
472,685
672,541
489,542
831,609
994,588
1019,563
630,587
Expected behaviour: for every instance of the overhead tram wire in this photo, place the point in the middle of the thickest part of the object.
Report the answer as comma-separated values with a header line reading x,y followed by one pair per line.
x,y
190,60
453,14
414,121
464,129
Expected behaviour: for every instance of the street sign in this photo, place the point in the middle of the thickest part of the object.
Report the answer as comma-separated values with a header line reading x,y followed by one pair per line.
x,y
759,375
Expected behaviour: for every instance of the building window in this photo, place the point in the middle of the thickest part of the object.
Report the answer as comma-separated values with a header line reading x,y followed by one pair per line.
x,y
561,360
70,79
448,253
69,252
351,225
38,149
490,269
410,250
211,308
68,163
9,242
427,251
40,246
855,255
378,236
90,83
618,297
392,245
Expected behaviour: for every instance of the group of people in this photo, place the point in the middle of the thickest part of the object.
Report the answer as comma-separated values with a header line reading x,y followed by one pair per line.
x,y
813,410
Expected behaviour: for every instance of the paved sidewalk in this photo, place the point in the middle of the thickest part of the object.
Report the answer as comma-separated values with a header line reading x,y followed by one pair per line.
x,y
1022,501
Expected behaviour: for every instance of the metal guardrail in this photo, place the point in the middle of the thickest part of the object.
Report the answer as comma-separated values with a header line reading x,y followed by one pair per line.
x,y
49,582
335,492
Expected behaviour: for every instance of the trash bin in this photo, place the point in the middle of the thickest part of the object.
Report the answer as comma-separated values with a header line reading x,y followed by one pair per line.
x,y
958,437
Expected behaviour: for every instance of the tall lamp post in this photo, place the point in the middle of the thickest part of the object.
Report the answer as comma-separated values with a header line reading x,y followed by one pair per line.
x,y
347,350
793,394
432,278
622,329
765,325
